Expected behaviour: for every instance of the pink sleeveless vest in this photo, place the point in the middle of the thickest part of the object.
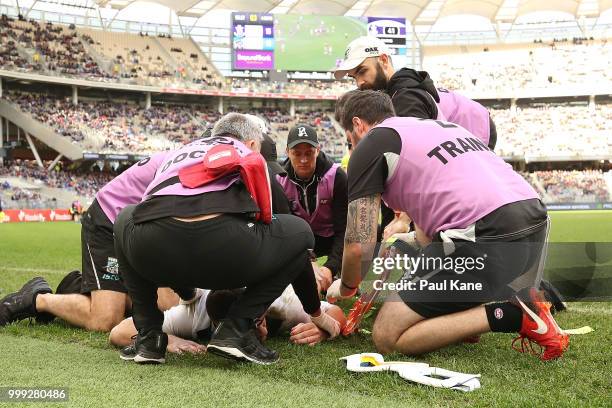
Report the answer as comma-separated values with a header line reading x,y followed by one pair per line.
x,y
321,219
447,178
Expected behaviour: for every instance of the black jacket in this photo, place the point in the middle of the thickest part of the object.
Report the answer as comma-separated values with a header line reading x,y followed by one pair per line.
x,y
333,247
412,92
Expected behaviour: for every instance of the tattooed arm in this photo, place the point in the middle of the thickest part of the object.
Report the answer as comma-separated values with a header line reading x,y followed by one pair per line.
x,y
359,240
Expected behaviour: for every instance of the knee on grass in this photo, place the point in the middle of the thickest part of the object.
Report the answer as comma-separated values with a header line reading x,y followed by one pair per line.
x,y
385,344
103,322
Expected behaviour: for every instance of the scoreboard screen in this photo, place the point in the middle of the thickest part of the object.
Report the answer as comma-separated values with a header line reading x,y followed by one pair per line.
x,y
391,30
307,43
252,41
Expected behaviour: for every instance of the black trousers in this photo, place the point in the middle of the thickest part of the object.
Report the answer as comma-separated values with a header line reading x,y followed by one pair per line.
x,y
226,252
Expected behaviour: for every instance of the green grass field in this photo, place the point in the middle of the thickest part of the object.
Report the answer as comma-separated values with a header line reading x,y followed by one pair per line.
x,y
61,356
299,48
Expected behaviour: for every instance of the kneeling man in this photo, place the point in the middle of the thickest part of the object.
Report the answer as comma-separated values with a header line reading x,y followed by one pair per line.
x,y
473,205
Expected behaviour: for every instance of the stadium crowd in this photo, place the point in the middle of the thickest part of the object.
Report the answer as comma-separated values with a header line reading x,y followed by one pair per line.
x,y
119,127
52,48
115,127
574,186
555,186
28,45
301,87
554,130
537,66
82,183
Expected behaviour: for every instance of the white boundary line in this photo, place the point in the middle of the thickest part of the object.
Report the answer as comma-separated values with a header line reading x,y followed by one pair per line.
x,y
34,270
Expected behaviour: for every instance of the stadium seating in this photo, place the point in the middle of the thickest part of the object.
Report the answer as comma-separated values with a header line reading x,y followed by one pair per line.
x,y
54,49
534,66
177,62
554,186
117,127
76,183
554,130
131,56
572,186
191,63
300,87
107,127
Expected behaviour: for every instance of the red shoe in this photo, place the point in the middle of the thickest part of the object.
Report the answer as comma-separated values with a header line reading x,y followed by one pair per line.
x,y
541,328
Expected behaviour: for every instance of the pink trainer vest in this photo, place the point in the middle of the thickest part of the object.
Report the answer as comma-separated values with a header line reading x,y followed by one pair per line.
x,y
456,108
447,178
321,219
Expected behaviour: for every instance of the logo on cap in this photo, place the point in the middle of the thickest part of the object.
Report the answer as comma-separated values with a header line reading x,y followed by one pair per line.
x,y
302,132
371,49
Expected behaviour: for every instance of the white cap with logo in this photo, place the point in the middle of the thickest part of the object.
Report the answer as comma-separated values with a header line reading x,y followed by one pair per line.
x,y
357,51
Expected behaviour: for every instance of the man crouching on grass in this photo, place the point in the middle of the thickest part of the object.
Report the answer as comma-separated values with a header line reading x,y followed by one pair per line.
x,y
473,205
206,222
190,324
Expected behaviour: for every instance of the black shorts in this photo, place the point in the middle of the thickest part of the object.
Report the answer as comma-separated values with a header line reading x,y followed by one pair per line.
x,y
501,263
100,266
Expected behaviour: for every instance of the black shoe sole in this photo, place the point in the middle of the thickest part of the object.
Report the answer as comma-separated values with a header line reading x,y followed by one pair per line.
x,y
236,354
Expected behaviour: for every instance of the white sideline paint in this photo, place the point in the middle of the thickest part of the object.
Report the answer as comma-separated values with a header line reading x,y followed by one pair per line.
x,y
35,270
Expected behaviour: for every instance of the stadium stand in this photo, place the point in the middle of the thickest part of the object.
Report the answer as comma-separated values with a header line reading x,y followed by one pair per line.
x,y
21,182
299,87
54,49
554,130
570,130
190,61
117,127
526,66
573,186
25,185
132,56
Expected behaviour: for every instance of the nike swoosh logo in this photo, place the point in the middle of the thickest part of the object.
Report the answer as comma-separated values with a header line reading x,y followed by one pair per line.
x,y
542,327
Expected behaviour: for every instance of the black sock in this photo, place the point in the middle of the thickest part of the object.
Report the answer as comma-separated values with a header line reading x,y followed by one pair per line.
x,y
504,317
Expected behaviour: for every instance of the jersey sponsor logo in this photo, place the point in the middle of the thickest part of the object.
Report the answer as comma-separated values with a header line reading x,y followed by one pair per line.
x,y
111,277
112,266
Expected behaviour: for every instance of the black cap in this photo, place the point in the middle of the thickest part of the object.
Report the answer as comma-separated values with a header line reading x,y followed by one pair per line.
x,y
302,134
268,151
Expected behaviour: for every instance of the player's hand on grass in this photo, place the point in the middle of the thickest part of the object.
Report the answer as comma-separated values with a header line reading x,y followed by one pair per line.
x,y
338,291
179,345
307,333
327,323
